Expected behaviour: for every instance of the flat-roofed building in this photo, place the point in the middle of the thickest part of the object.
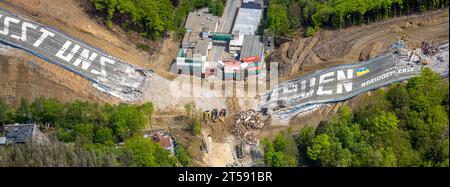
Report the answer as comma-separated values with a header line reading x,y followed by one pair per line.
x,y
196,43
252,53
247,22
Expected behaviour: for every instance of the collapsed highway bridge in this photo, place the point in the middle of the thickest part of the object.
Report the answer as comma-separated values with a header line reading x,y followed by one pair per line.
x,y
108,74
346,81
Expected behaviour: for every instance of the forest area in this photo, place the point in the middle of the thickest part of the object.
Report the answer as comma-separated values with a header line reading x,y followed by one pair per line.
x,y
86,134
405,126
285,17
153,18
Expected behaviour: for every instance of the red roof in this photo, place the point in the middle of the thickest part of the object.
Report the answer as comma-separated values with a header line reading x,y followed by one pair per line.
x,y
251,59
164,141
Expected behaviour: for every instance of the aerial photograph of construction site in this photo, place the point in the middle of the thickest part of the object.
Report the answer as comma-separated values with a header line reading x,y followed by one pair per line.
x,y
224,83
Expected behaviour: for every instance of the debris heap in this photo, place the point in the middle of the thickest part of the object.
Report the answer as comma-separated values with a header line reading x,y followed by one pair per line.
x,y
246,123
429,48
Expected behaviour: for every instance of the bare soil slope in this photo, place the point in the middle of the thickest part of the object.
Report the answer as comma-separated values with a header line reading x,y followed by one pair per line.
x,y
24,75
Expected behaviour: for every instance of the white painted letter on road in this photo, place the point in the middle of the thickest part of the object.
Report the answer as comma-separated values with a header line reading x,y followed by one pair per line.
x,y
7,20
25,25
344,81
323,80
44,35
63,50
102,63
85,59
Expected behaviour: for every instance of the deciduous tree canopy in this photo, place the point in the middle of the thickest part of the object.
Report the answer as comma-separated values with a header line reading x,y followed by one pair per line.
x,y
313,14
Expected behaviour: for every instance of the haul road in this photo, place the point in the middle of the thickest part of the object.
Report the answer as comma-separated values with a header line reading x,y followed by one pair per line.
x,y
109,74
345,81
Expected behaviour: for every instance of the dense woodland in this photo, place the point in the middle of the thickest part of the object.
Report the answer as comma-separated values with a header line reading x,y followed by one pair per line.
x,y
91,133
407,125
287,16
153,18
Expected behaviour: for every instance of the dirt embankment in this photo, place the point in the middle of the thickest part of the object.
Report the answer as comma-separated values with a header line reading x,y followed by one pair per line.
x,y
24,75
332,47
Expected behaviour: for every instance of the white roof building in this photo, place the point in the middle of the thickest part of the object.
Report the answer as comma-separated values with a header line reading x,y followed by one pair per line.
x,y
247,22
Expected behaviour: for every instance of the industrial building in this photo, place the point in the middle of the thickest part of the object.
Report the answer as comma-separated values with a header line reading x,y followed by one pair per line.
x,y
247,47
191,57
247,22
252,54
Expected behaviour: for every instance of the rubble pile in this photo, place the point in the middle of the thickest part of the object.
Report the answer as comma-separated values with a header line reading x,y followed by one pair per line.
x,y
429,48
439,61
246,123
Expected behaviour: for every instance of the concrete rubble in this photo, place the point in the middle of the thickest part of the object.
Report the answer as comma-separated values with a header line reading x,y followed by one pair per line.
x,y
246,124
435,56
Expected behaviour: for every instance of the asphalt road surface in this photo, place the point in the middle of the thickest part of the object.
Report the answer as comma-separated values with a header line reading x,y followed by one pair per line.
x,y
109,74
337,83
226,24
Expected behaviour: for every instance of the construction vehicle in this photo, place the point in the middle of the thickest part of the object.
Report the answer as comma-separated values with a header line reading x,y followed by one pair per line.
x,y
421,59
206,115
223,112
222,115
215,115
239,150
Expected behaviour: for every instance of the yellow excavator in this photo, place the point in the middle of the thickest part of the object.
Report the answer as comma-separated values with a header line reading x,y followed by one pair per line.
x,y
422,60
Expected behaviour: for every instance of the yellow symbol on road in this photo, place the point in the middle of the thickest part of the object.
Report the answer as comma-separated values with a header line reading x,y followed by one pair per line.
x,y
361,71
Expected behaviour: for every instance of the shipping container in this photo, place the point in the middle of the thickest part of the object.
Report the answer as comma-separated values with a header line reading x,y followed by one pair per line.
x,y
251,59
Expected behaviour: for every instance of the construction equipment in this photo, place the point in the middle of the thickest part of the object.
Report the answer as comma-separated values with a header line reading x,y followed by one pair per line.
x,y
421,59
239,150
206,115
215,115
223,112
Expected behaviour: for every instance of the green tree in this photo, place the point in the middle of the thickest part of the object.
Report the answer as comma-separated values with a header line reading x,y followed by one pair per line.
x,y
103,136
52,111
128,121
3,111
319,144
23,114
183,157
146,153
196,127
384,123
85,132
278,19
